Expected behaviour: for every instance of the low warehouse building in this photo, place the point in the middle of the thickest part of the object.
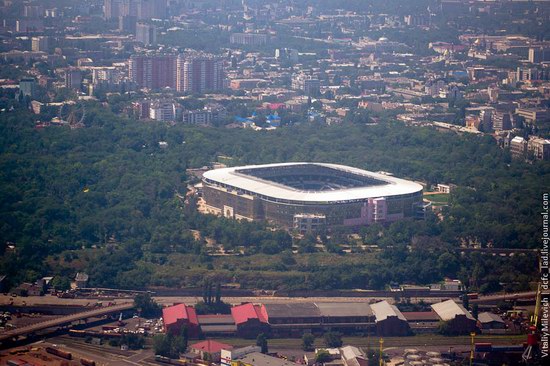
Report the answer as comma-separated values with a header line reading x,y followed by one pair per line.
x,y
217,325
389,320
292,320
249,320
489,321
457,319
178,316
422,321
348,318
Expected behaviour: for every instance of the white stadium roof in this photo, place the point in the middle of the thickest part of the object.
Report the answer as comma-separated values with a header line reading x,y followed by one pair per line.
x,y
257,186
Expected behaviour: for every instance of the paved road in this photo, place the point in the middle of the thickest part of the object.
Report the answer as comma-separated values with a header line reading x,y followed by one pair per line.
x,y
501,297
54,300
266,299
51,323
168,300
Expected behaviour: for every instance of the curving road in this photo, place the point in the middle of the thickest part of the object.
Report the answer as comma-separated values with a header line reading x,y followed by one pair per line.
x,y
64,320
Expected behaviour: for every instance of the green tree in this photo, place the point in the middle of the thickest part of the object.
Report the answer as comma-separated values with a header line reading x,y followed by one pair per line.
x,y
333,339
465,301
261,341
475,310
61,283
307,342
169,345
147,307
322,356
444,328
162,345
133,341
218,293
180,342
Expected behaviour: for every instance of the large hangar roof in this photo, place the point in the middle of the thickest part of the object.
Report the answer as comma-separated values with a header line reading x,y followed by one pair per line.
x,y
338,309
172,314
448,310
249,184
295,310
383,310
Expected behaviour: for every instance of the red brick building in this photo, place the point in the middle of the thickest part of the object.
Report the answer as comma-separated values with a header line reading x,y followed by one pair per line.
x,y
249,320
178,316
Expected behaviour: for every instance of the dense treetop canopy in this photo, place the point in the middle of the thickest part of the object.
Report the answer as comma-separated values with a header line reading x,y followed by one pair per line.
x,y
112,188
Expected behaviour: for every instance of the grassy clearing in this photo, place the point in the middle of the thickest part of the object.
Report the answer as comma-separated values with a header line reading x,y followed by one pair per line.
x,y
438,199
413,341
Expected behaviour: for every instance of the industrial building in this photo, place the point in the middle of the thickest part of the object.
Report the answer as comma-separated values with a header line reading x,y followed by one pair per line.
x,y
290,320
458,319
422,321
217,325
490,321
178,316
389,320
292,194
249,320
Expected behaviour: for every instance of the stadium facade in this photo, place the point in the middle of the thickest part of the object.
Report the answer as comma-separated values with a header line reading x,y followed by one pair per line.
x,y
310,196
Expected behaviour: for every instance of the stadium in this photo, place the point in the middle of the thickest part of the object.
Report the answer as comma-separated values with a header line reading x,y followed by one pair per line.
x,y
310,196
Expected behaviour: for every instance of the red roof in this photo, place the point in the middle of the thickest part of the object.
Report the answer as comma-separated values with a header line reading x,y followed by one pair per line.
x,y
210,346
275,106
242,313
172,314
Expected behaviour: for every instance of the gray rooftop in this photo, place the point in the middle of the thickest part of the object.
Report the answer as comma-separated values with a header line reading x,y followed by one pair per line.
x,y
218,328
216,319
339,309
296,310
489,317
259,359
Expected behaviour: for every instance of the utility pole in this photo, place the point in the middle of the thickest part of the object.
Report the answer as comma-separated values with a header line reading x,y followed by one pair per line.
x,y
381,361
473,335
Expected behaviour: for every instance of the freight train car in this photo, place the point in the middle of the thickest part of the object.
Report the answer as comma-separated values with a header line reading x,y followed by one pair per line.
x,y
60,353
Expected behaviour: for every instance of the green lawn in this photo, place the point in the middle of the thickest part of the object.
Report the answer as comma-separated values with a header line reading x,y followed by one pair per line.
x,y
437,199
373,341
